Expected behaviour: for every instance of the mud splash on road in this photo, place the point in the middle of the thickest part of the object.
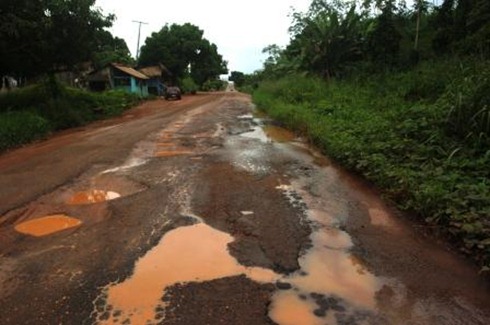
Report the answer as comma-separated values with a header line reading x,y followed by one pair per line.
x,y
194,253
172,153
92,196
47,225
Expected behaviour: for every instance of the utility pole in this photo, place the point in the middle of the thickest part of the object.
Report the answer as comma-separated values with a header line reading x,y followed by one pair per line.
x,y
139,34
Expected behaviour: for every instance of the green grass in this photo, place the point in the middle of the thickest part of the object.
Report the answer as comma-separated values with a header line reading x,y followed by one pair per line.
x,y
422,139
17,128
31,113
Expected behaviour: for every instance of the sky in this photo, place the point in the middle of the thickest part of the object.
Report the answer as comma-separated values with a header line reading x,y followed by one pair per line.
x,y
240,29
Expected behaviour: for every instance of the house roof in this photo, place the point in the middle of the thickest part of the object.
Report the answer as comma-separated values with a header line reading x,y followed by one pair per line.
x,y
155,71
130,71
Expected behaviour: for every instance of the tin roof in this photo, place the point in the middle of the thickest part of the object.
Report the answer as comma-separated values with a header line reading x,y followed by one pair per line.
x,y
130,71
155,71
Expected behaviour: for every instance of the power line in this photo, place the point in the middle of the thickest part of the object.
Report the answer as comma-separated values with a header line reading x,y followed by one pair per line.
x,y
139,34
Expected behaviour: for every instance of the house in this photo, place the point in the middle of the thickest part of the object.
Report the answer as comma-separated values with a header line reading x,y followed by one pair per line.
x,y
159,76
119,77
76,75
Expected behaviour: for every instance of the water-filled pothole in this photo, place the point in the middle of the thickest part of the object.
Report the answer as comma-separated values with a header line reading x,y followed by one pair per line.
x,y
47,225
194,253
279,134
331,284
92,196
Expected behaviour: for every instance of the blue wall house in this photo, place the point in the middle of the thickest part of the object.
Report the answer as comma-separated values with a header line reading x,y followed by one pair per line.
x,y
119,77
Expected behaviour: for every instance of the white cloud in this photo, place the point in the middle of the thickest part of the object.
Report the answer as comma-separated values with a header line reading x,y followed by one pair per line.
x,y
240,29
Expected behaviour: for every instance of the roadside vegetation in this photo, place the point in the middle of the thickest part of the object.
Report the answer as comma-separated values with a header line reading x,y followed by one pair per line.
x,y
398,95
33,112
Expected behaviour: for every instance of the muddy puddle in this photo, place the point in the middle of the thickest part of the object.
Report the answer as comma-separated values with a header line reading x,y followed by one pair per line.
x,y
263,130
47,225
278,133
331,284
194,253
250,150
92,196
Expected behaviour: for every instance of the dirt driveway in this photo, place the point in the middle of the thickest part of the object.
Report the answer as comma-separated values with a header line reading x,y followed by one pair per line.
x,y
202,211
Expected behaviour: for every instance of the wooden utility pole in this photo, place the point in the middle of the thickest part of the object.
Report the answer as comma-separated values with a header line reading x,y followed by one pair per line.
x,y
417,30
139,34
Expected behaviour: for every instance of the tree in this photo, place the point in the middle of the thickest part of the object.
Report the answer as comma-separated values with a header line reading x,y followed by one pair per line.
x,y
328,37
463,26
208,64
111,49
443,23
182,48
238,78
43,36
478,24
384,39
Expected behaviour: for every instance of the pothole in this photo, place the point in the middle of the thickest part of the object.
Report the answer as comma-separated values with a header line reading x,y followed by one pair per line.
x,y
92,196
195,253
47,225
279,134
331,284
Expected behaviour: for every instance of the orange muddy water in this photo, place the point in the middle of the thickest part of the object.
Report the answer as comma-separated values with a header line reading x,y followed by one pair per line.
x,y
279,134
194,253
47,225
327,270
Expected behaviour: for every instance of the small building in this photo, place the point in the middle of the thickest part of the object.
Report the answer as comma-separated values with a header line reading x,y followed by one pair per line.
x,y
75,76
158,76
119,77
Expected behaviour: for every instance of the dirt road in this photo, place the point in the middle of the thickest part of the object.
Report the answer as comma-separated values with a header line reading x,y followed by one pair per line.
x,y
198,212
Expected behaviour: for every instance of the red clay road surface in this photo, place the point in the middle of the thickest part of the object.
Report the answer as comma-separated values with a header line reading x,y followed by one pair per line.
x,y
203,211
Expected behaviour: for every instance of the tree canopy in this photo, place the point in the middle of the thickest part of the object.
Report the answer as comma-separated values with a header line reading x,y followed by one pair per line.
x,y
111,49
184,51
237,77
45,35
333,38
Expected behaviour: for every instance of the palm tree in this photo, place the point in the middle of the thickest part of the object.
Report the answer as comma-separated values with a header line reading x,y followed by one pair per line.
x,y
328,39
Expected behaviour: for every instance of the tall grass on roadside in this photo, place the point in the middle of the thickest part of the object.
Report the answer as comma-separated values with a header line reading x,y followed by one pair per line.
x,y
467,100
427,152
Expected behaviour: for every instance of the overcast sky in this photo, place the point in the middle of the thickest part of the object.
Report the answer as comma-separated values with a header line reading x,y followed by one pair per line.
x,y
240,29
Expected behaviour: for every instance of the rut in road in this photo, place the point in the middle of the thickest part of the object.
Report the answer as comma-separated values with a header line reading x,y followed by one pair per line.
x,y
226,218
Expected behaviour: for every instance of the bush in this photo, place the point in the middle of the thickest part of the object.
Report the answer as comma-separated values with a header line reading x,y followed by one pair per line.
x,y
35,108
23,98
189,86
17,128
214,85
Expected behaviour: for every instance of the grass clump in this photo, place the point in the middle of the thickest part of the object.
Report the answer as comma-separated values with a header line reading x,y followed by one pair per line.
x,y
423,142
